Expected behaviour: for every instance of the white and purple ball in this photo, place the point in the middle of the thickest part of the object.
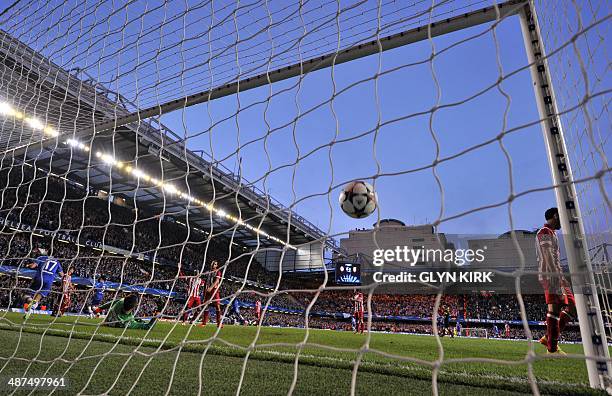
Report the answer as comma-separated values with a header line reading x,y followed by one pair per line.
x,y
358,199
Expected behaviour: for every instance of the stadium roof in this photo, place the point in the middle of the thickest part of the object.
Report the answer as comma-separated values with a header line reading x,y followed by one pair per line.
x,y
142,161
508,234
389,222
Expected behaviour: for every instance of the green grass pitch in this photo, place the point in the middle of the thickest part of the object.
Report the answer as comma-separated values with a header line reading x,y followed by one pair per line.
x,y
184,359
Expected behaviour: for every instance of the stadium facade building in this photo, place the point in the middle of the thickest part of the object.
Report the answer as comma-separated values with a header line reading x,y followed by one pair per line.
x,y
502,253
389,234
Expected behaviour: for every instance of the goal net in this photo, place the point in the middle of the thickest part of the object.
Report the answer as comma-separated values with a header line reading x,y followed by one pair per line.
x,y
474,332
166,164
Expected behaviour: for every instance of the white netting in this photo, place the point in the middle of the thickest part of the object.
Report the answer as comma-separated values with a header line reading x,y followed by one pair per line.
x,y
580,69
141,141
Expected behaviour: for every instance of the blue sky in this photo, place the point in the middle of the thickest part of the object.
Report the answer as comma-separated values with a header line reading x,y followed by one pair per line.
x,y
471,181
476,179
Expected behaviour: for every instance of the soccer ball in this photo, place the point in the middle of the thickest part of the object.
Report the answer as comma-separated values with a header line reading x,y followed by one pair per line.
x,y
358,199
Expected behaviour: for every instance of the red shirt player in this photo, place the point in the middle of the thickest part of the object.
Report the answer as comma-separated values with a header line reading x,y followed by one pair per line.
x,y
212,293
557,291
67,288
258,309
358,311
507,329
193,302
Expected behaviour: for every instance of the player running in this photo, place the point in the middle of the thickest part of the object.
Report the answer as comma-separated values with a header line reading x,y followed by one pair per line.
x,y
120,314
495,331
234,313
358,311
212,294
194,302
447,325
458,328
47,267
258,309
94,307
557,291
67,288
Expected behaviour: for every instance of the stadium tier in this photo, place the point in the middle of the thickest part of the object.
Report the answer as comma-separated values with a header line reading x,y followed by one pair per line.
x,y
144,152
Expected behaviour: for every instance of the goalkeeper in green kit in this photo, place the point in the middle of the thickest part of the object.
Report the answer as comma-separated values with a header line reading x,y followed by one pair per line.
x,y
120,314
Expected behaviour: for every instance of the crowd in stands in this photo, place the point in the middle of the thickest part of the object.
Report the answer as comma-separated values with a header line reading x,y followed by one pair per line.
x,y
476,306
505,307
54,205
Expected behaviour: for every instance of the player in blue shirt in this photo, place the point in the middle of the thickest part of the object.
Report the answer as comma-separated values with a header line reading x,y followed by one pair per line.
x,y
99,288
447,319
47,268
234,312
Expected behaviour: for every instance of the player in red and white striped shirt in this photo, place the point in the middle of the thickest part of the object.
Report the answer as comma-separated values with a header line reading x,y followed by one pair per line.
x,y
358,311
67,289
211,294
557,290
258,309
194,301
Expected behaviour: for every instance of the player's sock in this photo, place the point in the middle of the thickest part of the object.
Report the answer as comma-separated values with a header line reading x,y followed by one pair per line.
x,y
564,319
552,331
31,306
218,318
205,318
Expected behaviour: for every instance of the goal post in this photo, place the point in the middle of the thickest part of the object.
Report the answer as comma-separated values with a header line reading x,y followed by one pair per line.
x,y
588,308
